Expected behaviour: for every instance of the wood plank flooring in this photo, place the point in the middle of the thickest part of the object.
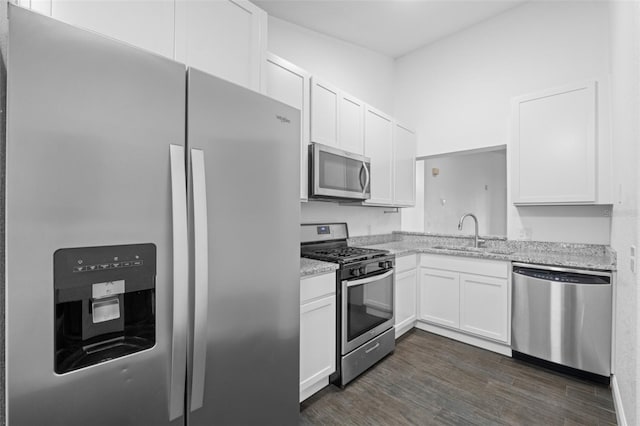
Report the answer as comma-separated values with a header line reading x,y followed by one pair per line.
x,y
432,380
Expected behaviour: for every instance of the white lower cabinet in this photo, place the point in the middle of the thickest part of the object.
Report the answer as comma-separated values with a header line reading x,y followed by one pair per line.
x,y
467,299
406,286
440,297
484,306
317,333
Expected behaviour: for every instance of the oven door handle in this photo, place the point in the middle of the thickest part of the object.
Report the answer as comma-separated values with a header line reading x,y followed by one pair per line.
x,y
369,279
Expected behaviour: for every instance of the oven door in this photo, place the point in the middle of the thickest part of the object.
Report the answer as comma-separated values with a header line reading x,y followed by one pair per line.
x,y
339,174
367,309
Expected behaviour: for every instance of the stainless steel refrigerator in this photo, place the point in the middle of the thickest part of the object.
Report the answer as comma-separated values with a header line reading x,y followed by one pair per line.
x,y
152,247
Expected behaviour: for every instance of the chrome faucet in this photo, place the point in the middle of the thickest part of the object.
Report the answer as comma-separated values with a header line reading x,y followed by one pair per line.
x,y
477,241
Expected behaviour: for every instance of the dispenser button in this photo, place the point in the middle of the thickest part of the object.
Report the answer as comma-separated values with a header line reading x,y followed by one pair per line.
x,y
79,269
91,267
136,263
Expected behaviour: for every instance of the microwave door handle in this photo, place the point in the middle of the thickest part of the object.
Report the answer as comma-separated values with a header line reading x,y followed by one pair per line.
x,y
180,281
366,184
201,278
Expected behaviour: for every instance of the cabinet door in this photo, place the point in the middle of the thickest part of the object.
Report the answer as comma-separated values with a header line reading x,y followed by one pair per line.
x,y
378,145
440,297
317,340
404,168
289,83
554,146
405,300
351,124
226,38
484,303
145,24
324,113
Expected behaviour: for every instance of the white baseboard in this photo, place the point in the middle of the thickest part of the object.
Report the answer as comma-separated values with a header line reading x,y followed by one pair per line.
x,y
617,402
501,348
404,327
312,389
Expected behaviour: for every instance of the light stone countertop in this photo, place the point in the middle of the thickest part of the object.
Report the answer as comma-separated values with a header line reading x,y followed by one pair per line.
x,y
310,267
567,255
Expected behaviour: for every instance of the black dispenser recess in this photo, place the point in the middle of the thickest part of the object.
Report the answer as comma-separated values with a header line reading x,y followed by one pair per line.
x,y
104,303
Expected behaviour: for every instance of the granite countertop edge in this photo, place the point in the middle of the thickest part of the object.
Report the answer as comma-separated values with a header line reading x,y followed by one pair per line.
x,y
310,267
563,259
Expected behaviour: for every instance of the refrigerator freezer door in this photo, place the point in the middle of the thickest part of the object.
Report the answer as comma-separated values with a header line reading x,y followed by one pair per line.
x,y
250,145
89,128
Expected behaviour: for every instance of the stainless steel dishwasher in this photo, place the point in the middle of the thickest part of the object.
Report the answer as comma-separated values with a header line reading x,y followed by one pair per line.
x,y
562,317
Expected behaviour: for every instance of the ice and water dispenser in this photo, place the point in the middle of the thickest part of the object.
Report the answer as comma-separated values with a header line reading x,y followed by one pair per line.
x,y
104,303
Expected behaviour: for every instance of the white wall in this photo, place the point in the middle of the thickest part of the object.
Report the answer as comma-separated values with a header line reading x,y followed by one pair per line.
x,y
457,93
360,220
363,73
625,64
413,217
472,183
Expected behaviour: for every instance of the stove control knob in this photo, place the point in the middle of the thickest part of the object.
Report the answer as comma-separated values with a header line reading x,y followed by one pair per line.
x,y
383,265
362,270
389,265
355,272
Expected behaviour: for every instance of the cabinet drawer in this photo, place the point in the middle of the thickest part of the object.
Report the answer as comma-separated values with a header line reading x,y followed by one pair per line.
x,y
491,268
405,263
317,286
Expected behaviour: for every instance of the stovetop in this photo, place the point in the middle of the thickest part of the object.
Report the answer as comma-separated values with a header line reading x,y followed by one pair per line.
x,y
328,242
342,254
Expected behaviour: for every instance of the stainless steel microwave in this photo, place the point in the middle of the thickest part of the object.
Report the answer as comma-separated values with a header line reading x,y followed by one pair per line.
x,y
338,174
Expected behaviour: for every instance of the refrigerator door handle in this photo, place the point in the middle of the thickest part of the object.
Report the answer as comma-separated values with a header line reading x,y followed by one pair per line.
x,y
201,263
180,281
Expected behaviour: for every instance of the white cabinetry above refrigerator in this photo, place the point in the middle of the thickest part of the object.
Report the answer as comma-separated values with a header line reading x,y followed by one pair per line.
x,y
226,38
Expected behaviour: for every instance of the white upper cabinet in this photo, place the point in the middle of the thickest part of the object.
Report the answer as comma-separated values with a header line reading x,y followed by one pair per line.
x,y
336,117
378,146
404,166
289,83
222,37
324,113
554,149
146,24
350,124
226,38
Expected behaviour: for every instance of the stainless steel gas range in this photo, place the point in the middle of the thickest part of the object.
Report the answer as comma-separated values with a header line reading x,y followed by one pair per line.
x,y
365,287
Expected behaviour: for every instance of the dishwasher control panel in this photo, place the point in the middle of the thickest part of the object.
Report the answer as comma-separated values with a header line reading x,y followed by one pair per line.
x,y
563,276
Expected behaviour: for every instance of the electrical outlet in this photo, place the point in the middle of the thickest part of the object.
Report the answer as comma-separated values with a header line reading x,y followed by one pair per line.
x,y
525,233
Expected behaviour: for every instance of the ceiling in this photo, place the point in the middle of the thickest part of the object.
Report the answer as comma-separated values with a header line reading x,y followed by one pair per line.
x,y
391,27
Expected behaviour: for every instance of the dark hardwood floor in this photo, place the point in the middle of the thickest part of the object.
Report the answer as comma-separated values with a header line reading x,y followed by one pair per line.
x,y
432,380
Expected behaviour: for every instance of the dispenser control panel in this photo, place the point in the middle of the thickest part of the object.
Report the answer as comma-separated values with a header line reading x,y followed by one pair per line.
x,y
104,303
